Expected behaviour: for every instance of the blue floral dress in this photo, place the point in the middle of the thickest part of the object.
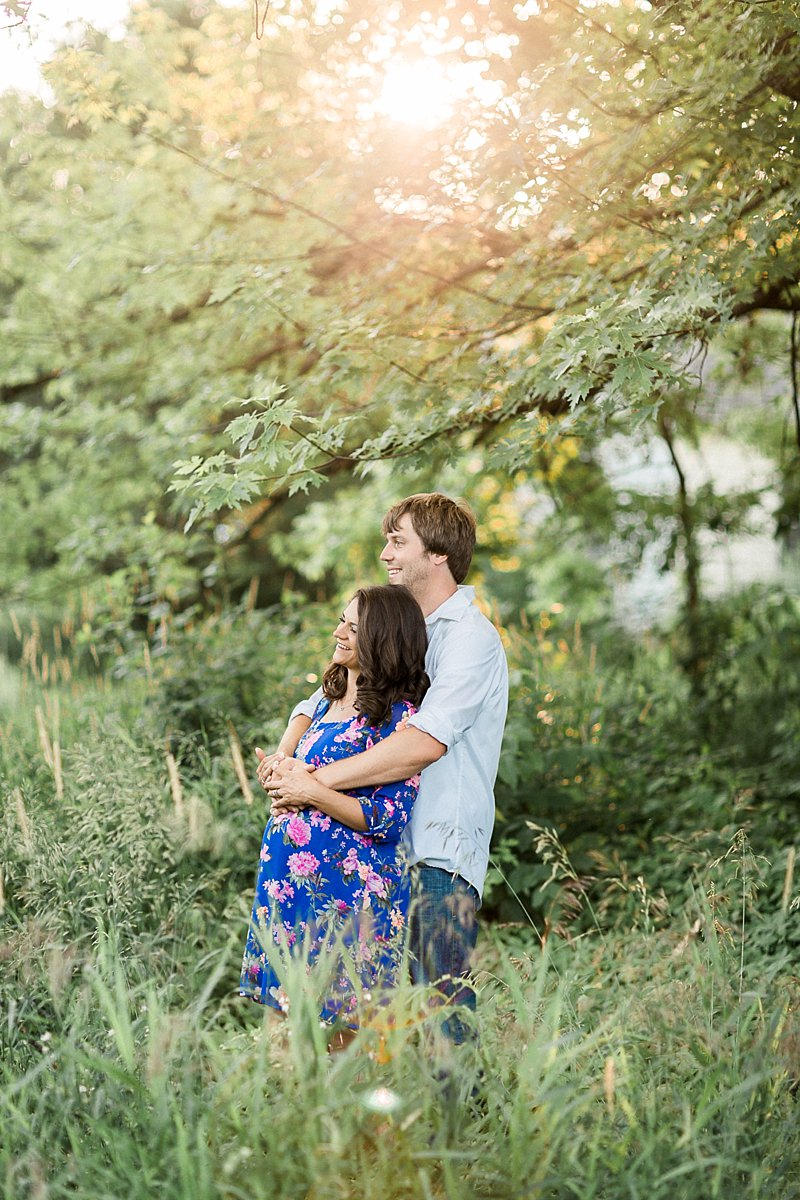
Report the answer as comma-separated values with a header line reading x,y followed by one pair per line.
x,y
323,886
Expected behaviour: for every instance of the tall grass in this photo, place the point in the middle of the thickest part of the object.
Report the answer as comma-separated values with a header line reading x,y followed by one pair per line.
x,y
643,1062
649,1089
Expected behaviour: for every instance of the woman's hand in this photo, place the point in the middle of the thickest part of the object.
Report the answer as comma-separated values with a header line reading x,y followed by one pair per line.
x,y
292,786
266,764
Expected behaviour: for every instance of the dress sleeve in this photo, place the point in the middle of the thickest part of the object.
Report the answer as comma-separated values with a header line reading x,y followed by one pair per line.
x,y
387,809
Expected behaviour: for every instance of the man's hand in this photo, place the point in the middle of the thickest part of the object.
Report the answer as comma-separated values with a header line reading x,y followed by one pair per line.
x,y
292,786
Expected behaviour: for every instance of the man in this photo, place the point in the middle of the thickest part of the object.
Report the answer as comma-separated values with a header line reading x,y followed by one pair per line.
x,y
454,739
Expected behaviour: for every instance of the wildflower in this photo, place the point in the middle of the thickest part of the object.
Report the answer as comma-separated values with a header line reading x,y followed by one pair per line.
x,y
279,994
382,1100
397,919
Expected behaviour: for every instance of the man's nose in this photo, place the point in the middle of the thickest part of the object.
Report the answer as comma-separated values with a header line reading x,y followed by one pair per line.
x,y
386,552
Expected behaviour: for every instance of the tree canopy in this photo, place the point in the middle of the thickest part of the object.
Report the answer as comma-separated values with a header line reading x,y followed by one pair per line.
x,y
367,234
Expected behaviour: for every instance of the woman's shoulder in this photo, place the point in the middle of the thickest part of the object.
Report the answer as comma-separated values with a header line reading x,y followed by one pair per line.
x,y
401,711
360,728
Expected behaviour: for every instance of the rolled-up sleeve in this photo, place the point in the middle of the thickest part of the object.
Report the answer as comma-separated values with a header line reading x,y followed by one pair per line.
x,y
471,675
307,708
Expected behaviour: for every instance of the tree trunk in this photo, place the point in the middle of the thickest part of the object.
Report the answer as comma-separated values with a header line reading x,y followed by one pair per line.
x,y
695,657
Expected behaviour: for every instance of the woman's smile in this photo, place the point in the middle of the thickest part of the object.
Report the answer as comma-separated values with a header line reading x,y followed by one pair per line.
x,y
345,634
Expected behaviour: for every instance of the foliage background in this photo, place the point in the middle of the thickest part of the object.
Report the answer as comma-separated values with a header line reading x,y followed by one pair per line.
x,y
245,301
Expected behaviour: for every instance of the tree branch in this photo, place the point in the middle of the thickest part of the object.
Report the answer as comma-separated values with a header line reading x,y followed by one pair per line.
x,y
13,391
793,367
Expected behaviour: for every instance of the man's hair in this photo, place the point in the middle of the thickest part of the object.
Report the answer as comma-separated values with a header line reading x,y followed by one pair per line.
x,y
444,526
391,641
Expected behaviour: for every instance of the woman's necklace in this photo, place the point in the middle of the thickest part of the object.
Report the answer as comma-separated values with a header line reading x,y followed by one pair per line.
x,y
346,705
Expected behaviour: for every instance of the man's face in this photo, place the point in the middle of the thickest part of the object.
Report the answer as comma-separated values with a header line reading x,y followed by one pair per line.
x,y
406,559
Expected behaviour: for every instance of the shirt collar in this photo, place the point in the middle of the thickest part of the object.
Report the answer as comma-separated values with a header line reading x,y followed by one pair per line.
x,y
452,609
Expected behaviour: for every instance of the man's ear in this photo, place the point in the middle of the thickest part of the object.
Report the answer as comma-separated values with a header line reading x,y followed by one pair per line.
x,y
437,559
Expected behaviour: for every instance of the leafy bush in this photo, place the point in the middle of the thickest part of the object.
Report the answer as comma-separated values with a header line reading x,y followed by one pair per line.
x,y
638,773
240,668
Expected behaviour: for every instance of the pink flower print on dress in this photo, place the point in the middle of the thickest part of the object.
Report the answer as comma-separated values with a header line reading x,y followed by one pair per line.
x,y
350,862
306,742
375,884
366,950
318,875
298,830
265,855
279,891
284,936
352,734
364,870
302,864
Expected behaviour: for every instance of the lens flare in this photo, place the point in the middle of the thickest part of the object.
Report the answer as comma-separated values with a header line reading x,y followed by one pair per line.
x,y
416,93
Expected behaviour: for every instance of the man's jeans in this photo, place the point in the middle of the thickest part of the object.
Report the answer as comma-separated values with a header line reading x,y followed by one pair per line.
x,y
443,927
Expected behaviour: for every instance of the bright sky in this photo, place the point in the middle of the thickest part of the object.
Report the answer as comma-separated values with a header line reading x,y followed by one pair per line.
x,y
417,90
22,49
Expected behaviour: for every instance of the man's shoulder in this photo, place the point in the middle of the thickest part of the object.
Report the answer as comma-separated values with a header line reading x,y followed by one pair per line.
x,y
470,625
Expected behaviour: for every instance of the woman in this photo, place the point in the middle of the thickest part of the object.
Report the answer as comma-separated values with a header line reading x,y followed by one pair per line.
x,y
333,867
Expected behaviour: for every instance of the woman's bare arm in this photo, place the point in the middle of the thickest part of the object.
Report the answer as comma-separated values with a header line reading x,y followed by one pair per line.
x,y
286,747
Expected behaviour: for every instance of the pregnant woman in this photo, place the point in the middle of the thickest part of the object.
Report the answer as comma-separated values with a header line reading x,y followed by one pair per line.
x,y
332,874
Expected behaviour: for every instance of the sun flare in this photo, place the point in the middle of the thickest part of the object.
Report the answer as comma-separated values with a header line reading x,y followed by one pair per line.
x,y
417,93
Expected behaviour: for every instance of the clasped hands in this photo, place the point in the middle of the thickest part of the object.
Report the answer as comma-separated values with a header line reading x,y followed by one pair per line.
x,y
288,781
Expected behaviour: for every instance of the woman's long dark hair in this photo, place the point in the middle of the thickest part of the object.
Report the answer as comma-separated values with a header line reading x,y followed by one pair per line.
x,y
391,641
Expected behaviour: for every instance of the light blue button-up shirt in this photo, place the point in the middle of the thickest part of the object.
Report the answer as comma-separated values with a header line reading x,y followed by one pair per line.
x,y
464,709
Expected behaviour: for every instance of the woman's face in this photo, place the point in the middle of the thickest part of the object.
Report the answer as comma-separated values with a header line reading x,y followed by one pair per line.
x,y
345,653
